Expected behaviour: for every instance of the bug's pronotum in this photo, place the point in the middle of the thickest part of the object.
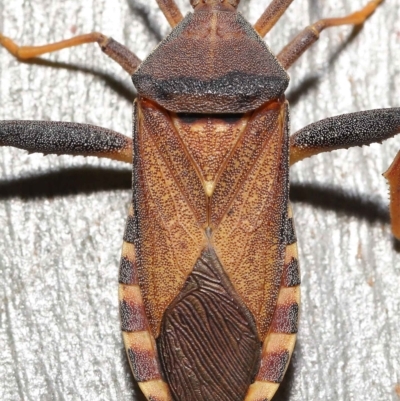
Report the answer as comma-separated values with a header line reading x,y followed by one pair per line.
x,y
305,263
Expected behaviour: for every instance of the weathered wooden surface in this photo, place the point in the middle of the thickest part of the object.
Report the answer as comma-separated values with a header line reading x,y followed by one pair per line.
x,y
62,222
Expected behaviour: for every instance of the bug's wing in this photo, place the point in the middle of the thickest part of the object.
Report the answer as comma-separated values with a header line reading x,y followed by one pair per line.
x,y
246,209
170,207
210,234
249,209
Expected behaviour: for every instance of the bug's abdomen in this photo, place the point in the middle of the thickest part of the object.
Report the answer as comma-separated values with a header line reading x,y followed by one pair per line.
x,y
209,230
208,345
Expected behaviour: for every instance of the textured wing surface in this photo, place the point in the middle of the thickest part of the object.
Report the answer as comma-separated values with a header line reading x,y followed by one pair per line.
x,y
171,206
211,234
249,212
241,195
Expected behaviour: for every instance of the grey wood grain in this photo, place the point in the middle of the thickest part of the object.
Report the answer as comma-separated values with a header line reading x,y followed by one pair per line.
x,y
62,218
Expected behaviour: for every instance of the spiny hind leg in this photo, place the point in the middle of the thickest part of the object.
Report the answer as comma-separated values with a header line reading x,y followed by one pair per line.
x,y
354,129
65,138
119,53
310,35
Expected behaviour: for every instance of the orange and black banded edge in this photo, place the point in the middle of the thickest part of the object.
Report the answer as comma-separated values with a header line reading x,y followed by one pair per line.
x,y
280,341
140,345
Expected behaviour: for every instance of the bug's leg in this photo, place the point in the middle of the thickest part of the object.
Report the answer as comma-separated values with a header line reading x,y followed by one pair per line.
x,y
271,16
345,131
65,138
354,129
310,35
119,53
171,11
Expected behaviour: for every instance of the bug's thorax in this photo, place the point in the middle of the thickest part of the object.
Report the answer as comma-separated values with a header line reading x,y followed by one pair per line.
x,y
224,66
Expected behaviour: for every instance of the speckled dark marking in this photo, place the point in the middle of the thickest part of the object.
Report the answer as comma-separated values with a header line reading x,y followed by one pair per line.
x,y
217,95
61,137
353,129
179,162
209,347
291,274
273,367
290,233
239,75
127,272
245,155
285,319
133,317
130,232
144,365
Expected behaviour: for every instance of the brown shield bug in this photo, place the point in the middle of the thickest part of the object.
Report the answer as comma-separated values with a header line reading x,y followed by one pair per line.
x,y
361,256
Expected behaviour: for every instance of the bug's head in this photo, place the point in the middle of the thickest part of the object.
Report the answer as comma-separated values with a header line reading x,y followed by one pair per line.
x,y
222,5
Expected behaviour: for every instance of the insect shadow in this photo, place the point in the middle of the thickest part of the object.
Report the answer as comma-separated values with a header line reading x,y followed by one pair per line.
x,y
86,180
121,88
312,80
142,11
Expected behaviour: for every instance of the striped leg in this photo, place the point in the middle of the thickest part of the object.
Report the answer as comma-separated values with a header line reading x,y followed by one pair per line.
x,y
280,341
139,342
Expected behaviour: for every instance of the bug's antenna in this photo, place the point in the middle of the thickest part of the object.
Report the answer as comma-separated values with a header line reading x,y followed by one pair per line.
x,y
171,11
